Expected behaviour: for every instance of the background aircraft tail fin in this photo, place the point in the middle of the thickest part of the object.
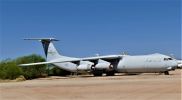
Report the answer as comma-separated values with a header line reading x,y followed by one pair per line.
x,y
49,49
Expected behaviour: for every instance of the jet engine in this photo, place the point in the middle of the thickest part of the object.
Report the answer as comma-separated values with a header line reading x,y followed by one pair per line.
x,y
103,65
85,65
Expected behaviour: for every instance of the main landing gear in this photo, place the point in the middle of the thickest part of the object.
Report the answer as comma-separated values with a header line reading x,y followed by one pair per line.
x,y
166,73
97,73
110,73
100,73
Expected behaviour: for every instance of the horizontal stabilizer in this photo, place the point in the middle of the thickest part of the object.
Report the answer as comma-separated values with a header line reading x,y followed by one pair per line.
x,y
42,39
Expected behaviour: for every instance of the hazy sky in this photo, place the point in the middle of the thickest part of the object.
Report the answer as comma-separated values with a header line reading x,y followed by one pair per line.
x,y
88,27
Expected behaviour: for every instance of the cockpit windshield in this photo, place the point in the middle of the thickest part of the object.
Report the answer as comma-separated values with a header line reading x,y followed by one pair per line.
x,y
166,59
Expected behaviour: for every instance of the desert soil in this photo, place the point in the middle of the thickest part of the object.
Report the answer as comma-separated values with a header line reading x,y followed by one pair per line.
x,y
119,87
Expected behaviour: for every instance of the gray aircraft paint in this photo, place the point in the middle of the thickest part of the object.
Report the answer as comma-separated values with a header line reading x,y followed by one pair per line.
x,y
128,64
146,63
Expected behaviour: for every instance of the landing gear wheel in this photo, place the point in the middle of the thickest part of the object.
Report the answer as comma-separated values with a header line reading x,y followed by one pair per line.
x,y
98,73
92,67
111,73
166,73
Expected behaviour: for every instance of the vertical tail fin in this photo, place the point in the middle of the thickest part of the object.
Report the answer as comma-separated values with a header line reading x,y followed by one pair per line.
x,y
49,49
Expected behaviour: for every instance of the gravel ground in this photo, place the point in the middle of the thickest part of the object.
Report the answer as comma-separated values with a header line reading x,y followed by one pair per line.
x,y
119,87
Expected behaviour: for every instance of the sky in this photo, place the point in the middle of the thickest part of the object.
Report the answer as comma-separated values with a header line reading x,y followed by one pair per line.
x,y
90,27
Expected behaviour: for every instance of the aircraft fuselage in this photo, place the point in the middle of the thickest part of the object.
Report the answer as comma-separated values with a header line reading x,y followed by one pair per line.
x,y
131,64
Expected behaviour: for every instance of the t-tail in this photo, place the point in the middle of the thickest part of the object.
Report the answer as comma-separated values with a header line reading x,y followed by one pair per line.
x,y
49,48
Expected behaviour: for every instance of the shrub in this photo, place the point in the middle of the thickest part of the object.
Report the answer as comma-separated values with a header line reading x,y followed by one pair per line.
x,y
20,78
9,70
31,72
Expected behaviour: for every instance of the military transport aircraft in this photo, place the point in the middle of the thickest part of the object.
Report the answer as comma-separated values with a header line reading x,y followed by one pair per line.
x,y
110,64
179,63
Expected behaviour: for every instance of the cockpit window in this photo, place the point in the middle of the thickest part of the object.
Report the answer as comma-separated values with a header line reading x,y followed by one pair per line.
x,y
170,58
165,59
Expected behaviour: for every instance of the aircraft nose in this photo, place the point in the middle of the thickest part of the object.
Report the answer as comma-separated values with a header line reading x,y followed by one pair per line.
x,y
174,65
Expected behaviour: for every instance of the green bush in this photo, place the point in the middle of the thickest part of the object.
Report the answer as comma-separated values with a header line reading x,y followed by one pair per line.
x,y
9,70
31,72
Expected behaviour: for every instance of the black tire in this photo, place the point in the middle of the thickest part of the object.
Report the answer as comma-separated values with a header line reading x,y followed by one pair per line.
x,y
166,73
97,73
111,73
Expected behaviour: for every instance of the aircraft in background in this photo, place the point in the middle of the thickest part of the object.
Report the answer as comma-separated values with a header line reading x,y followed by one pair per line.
x,y
109,64
179,63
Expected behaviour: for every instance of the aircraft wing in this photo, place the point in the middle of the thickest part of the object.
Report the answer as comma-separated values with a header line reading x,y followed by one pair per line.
x,y
50,62
109,57
32,64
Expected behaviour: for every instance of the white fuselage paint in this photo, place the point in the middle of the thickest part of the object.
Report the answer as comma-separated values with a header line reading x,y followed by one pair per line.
x,y
134,64
146,63
67,66
117,63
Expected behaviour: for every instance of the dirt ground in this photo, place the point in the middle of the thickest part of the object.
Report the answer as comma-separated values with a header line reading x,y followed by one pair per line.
x,y
119,87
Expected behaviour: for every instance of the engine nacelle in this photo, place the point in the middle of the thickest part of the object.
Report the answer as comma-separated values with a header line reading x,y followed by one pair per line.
x,y
85,65
103,65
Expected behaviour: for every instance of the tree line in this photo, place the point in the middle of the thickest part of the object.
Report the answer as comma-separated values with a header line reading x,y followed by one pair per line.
x,y
9,68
